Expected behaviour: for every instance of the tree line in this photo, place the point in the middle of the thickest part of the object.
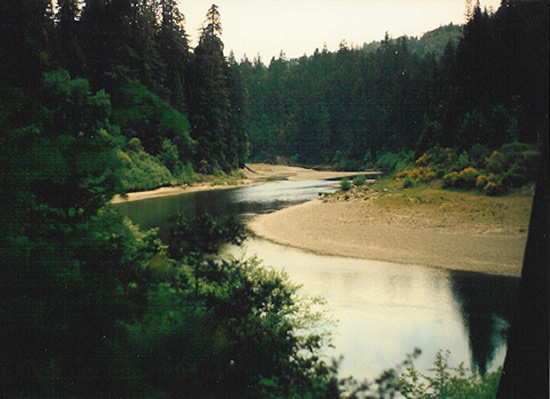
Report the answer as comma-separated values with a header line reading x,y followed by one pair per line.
x,y
173,110
483,84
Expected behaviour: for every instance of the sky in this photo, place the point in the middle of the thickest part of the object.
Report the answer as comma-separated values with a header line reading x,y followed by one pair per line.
x,y
298,27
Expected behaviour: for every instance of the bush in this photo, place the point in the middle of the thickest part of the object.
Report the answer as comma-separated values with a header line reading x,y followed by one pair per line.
x,y
345,184
440,160
359,180
496,163
144,172
186,174
481,181
422,174
394,162
448,382
449,180
408,182
465,179
341,161
494,188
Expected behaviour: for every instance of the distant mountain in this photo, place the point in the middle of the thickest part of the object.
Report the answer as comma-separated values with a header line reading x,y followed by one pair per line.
x,y
433,41
436,40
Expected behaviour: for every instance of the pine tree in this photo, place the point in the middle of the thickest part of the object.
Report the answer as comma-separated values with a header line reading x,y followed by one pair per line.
x,y
208,97
174,51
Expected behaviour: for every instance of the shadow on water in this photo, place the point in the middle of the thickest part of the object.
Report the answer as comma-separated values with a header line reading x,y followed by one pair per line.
x,y
486,303
241,202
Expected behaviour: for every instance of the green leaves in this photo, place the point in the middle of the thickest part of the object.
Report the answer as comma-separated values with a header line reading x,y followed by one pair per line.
x,y
204,234
448,382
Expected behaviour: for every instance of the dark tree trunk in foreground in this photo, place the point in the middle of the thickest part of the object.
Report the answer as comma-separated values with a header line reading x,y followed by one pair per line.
x,y
525,373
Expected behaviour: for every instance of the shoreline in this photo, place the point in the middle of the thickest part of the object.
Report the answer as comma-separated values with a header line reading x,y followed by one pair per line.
x,y
341,229
168,191
441,237
256,174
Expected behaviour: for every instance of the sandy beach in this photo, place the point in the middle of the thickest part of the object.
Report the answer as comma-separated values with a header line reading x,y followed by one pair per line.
x,y
361,229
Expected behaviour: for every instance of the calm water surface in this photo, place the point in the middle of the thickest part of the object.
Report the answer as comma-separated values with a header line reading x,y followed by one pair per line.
x,y
384,310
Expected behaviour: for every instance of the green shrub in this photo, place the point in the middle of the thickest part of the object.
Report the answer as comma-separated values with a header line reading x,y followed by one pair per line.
x,y
186,174
481,181
496,163
494,188
408,182
449,180
342,161
440,160
359,180
345,184
394,162
448,382
142,114
144,172
368,160
467,178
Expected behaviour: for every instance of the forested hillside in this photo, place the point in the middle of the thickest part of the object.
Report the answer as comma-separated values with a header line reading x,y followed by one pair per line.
x,y
171,110
389,102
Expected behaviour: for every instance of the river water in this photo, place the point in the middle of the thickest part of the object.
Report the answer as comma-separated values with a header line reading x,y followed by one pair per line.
x,y
383,310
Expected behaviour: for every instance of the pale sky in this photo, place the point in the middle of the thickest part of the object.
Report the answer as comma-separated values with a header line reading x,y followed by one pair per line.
x,y
298,27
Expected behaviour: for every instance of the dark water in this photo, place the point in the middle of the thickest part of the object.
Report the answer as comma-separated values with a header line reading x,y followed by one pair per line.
x,y
242,202
384,310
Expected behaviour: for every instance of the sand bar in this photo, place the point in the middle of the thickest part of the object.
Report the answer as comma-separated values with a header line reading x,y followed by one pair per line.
x,y
355,229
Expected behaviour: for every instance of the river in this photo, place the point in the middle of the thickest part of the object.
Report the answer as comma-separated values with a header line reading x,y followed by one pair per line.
x,y
383,310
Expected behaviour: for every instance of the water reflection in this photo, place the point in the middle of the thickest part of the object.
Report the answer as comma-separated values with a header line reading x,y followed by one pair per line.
x,y
384,310
244,201
486,304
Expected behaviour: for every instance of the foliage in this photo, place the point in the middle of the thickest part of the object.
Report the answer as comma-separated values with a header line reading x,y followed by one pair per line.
x,y
422,174
396,95
143,115
447,382
144,172
494,173
244,333
345,184
204,234
465,179
394,162
359,180
343,162
408,182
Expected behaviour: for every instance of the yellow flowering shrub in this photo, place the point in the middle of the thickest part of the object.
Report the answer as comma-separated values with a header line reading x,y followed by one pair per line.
x,y
422,174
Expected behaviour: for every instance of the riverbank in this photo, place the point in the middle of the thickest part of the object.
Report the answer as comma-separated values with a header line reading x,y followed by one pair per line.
x,y
433,227
254,174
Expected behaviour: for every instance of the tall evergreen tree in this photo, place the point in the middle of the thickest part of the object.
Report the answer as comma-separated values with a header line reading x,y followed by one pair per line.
x,y
208,96
174,51
72,56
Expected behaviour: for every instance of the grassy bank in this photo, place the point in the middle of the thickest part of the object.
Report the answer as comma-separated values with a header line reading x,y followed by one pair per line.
x,y
429,205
